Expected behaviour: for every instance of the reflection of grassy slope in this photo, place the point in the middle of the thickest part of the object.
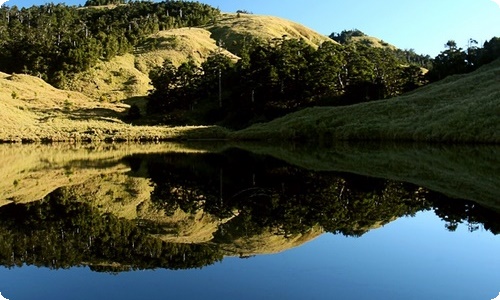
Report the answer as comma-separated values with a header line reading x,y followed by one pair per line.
x,y
267,242
130,198
464,108
29,172
97,178
466,172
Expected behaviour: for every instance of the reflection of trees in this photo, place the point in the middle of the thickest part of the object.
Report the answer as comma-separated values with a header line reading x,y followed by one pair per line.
x,y
263,193
61,232
268,194
456,211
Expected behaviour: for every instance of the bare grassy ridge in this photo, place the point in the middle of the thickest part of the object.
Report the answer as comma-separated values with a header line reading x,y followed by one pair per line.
x,y
461,108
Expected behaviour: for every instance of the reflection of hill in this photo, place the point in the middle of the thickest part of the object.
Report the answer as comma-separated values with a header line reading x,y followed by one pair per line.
x,y
29,172
61,232
118,209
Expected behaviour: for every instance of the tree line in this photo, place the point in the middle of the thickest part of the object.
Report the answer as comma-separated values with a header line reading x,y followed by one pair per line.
x,y
456,60
276,77
53,41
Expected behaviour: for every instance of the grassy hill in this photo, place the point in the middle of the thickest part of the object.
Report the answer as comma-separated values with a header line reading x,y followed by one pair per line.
x,y
32,110
461,108
234,30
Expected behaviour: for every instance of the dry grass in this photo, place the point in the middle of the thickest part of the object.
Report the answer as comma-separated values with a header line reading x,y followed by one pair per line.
x,y
372,42
462,108
111,81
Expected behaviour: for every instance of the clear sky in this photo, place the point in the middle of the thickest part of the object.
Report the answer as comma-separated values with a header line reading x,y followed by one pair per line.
x,y
424,25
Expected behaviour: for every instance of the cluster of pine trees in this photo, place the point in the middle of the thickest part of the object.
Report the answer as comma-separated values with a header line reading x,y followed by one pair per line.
x,y
53,41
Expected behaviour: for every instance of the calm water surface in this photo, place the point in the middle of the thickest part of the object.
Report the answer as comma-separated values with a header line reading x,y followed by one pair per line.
x,y
219,222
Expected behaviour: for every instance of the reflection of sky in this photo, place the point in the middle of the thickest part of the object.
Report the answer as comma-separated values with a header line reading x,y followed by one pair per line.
x,y
411,258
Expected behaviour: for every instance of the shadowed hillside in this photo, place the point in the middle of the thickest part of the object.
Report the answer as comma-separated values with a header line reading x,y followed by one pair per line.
x,y
460,108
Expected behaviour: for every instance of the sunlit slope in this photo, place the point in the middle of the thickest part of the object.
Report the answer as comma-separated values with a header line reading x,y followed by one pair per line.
x,y
29,107
463,108
372,42
127,76
234,30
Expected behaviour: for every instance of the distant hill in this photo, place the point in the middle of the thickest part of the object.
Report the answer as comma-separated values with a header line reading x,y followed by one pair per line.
x,y
460,108
356,36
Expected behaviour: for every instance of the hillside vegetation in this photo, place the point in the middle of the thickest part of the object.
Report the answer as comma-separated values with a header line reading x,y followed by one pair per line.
x,y
126,76
460,108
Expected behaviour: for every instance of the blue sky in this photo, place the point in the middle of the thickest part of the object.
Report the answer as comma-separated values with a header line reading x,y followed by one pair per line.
x,y
423,25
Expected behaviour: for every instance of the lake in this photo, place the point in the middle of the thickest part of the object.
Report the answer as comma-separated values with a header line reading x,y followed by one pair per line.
x,y
249,221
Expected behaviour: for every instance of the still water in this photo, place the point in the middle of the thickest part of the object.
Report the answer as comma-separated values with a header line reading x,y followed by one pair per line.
x,y
218,221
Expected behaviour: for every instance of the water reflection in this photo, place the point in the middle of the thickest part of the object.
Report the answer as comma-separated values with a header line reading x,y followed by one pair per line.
x,y
122,209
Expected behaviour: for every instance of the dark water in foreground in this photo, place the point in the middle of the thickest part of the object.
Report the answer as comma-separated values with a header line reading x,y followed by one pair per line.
x,y
345,223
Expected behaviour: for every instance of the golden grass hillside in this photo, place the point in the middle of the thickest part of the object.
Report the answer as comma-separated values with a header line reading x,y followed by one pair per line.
x,y
461,108
372,42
